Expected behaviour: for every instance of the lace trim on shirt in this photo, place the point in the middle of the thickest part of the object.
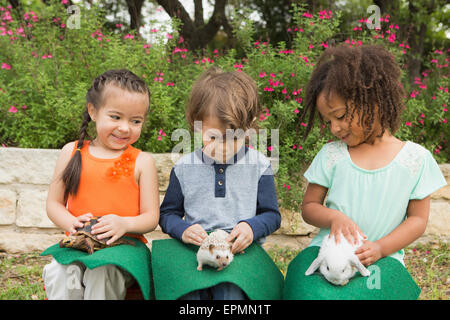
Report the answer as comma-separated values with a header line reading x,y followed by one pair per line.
x,y
412,158
335,152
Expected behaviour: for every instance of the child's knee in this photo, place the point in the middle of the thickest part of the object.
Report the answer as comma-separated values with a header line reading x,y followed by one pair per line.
x,y
63,281
106,282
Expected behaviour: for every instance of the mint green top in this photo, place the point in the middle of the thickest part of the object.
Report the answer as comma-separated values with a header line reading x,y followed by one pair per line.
x,y
376,200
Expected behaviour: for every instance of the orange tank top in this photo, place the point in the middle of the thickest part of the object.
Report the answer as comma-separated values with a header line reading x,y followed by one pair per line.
x,y
107,186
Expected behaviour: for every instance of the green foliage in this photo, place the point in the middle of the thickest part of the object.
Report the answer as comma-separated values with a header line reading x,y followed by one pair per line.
x,y
42,97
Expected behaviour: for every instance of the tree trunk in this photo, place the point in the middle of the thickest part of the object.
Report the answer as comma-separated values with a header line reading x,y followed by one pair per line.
x,y
197,34
134,9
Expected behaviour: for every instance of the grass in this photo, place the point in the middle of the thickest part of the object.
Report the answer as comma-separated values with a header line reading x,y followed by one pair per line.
x,y
427,263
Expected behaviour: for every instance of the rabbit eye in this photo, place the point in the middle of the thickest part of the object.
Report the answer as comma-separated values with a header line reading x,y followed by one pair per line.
x,y
227,257
217,257
343,270
328,268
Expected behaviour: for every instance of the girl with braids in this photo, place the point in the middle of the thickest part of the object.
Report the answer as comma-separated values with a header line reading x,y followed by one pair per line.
x,y
376,185
108,178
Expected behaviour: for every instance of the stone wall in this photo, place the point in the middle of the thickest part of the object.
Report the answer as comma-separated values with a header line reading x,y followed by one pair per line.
x,y
24,226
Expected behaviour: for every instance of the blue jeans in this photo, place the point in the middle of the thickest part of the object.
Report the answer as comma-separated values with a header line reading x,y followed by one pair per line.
x,y
222,291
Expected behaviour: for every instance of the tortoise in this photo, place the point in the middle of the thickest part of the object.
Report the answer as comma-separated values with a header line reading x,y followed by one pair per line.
x,y
84,240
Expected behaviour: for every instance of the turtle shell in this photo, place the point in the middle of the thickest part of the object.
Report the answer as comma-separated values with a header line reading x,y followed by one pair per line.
x,y
87,231
84,240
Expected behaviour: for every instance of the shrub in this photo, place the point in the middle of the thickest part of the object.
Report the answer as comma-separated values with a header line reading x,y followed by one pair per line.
x,y
47,69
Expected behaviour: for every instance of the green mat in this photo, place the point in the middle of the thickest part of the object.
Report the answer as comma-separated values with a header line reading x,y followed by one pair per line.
x,y
175,273
389,280
135,260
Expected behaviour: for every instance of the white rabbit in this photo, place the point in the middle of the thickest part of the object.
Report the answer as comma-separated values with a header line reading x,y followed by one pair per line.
x,y
338,262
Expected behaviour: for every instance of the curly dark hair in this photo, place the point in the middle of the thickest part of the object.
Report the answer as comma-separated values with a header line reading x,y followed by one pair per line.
x,y
363,77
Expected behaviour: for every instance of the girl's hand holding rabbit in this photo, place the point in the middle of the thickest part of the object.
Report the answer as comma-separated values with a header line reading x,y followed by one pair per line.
x,y
369,253
340,223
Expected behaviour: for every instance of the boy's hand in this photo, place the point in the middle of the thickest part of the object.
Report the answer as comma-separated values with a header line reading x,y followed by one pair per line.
x,y
243,234
369,253
78,222
110,225
343,224
195,234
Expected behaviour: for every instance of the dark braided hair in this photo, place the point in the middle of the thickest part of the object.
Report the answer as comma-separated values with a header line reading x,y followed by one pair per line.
x,y
363,77
123,79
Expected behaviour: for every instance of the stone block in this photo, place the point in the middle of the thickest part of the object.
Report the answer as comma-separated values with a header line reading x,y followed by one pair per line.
x,y
31,209
439,219
164,163
29,166
442,193
7,206
16,242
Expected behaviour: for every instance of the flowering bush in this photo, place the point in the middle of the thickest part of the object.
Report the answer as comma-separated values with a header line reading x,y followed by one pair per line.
x,y
46,69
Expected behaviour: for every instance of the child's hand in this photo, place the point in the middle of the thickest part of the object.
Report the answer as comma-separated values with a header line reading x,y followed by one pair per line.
x,y
110,225
243,234
78,222
369,253
343,224
195,234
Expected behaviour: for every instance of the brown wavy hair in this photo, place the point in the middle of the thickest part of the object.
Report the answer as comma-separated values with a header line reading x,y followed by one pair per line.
x,y
364,77
121,78
231,96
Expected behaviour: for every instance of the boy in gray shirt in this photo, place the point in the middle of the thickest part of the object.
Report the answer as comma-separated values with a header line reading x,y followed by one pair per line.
x,y
225,185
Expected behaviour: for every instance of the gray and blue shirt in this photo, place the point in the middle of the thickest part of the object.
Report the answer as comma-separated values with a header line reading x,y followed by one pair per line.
x,y
220,195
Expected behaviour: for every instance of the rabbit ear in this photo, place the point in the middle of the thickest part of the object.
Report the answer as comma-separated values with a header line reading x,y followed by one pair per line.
x,y
314,265
363,270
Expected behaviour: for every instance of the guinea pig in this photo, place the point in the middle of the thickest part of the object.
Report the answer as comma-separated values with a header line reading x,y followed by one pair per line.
x,y
215,251
338,262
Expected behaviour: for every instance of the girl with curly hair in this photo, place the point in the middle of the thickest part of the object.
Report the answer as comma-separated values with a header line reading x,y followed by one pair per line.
x,y
374,184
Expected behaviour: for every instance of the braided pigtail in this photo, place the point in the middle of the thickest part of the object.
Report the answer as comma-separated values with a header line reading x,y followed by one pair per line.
x,y
72,173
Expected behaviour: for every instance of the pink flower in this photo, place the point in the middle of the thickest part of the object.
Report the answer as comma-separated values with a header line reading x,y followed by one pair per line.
x,y
12,109
169,36
408,124
270,148
129,36
6,66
